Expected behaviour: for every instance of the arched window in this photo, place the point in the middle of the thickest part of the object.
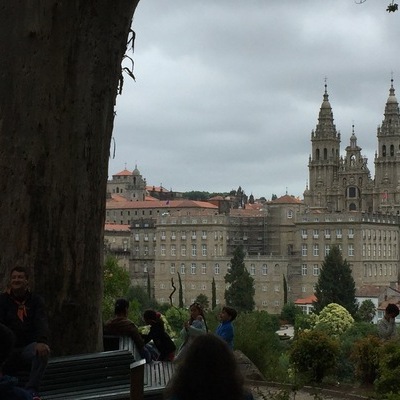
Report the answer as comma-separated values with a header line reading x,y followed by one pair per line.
x,y
352,192
317,154
391,150
325,154
383,151
352,207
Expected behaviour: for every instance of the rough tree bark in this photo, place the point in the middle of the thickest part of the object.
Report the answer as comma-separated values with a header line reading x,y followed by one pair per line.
x,y
60,62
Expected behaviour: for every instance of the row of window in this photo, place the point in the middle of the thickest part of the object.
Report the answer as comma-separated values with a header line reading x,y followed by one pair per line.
x,y
305,269
183,235
327,233
218,250
378,250
327,247
338,233
380,270
194,268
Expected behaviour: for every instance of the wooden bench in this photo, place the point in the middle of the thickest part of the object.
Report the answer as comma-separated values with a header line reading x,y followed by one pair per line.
x,y
156,374
106,375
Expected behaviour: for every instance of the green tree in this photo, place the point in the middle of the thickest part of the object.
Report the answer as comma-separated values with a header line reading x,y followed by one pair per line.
x,y
140,295
116,284
335,283
202,299
285,290
366,311
213,295
290,311
240,293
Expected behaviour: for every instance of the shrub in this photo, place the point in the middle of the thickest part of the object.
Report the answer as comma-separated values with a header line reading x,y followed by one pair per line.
x,y
289,312
313,354
346,367
365,356
255,336
389,368
176,318
335,318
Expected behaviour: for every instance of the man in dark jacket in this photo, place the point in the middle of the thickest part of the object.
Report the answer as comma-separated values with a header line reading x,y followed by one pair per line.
x,y
120,325
23,312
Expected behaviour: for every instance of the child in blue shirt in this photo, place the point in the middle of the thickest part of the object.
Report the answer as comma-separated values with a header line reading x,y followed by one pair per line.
x,y
225,328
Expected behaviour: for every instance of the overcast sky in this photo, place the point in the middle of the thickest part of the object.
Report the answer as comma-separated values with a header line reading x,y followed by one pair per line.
x,y
227,92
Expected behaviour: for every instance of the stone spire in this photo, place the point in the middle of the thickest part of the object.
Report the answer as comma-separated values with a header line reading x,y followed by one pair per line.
x,y
326,128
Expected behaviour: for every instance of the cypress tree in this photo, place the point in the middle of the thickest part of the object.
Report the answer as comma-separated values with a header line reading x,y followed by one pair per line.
x,y
213,295
240,293
335,283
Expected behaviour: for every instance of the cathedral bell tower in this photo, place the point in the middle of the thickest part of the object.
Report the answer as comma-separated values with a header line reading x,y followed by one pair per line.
x,y
323,163
387,159
355,181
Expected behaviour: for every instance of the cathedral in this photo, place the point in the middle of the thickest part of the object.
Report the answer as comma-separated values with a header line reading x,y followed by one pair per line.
x,y
344,183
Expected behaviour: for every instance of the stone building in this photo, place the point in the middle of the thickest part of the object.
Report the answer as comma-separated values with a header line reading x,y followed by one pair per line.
x,y
286,237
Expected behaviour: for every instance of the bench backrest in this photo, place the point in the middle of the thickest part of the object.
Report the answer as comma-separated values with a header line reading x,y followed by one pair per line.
x,y
86,372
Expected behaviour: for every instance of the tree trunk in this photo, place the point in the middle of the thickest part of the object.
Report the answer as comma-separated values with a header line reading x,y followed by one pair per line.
x,y
60,62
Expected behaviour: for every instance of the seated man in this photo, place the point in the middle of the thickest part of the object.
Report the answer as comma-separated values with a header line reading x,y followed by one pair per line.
x,y
122,326
24,314
8,388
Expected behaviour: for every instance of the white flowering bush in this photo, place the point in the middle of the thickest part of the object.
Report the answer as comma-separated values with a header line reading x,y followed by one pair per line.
x,y
335,319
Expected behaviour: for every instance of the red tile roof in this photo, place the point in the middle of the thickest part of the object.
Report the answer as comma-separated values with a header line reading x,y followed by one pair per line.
x,y
156,189
370,291
286,199
118,203
125,172
116,228
307,300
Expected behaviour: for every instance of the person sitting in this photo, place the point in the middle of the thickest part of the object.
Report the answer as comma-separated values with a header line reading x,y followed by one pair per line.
x,y
163,343
23,312
208,370
8,388
387,325
225,328
120,325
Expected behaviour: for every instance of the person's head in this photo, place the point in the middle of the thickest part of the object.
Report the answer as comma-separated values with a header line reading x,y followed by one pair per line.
x,y
208,371
227,314
121,307
392,311
19,280
152,317
7,341
196,310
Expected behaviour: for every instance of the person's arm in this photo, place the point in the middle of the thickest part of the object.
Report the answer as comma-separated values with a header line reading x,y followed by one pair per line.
x,y
226,333
386,328
198,327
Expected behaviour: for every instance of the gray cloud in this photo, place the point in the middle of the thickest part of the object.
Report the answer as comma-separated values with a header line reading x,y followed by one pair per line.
x,y
227,92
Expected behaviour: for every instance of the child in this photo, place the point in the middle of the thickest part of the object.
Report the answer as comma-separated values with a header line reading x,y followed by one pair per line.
x,y
225,329
164,344
194,327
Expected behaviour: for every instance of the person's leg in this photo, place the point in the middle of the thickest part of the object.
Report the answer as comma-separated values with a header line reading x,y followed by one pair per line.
x,y
38,366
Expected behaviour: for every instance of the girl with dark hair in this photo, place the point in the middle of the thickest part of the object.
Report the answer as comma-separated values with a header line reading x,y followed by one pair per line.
x,y
163,343
208,371
194,327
